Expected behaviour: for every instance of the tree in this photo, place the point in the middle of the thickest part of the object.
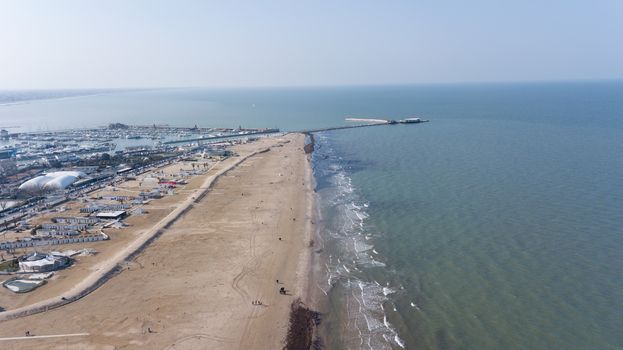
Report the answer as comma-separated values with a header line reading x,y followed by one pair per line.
x,y
36,190
8,167
105,157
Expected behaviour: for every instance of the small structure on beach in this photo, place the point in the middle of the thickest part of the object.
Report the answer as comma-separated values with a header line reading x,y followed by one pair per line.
x,y
76,220
45,232
25,284
108,207
63,229
153,194
116,215
42,262
22,285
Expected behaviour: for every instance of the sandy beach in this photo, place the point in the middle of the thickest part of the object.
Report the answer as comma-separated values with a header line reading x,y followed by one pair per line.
x,y
196,285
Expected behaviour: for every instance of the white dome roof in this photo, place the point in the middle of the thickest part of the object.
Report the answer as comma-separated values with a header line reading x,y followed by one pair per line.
x,y
52,181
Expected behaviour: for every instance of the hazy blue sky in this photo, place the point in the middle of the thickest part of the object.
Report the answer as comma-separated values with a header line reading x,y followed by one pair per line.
x,y
130,43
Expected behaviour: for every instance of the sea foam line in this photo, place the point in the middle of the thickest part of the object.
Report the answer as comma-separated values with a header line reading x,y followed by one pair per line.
x,y
364,307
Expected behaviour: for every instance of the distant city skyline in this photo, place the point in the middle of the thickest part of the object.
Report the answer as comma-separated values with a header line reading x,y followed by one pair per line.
x,y
143,44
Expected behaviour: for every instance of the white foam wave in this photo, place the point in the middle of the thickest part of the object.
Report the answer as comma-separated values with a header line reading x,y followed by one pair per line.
x,y
365,316
361,246
414,305
325,292
399,341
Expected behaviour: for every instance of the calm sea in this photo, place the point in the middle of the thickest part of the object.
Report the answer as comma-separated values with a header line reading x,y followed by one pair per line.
x,y
498,225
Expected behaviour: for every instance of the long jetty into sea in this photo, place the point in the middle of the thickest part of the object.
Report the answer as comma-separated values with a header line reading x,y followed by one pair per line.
x,y
368,122
309,147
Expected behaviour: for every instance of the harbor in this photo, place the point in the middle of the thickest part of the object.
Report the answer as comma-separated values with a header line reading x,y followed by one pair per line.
x,y
82,205
84,199
41,171
168,246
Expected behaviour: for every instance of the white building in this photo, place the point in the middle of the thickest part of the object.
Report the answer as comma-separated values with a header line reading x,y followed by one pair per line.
x,y
58,180
41,262
118,214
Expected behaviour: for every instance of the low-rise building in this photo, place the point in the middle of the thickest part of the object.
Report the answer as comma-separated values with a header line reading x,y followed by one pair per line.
x,y
42,262
118,214
76,220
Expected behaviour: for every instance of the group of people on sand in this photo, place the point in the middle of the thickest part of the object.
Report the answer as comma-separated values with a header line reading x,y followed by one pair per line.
x,y
282,291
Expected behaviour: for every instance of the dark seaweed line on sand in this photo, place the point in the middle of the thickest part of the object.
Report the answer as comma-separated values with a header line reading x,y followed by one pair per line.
x,y
302,330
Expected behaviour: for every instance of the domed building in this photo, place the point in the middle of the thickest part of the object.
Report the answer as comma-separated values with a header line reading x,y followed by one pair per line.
x,y
58,180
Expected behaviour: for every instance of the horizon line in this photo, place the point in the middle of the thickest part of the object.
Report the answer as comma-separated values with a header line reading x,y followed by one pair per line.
x,y
303,86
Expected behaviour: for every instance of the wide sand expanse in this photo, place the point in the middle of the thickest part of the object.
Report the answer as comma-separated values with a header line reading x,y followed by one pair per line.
x,y
194,287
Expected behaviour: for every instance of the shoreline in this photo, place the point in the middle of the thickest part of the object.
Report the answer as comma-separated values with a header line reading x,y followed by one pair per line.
x,y
317,297
195,284
304,317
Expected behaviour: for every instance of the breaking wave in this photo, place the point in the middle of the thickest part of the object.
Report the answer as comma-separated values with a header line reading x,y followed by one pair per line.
x,y
350,255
